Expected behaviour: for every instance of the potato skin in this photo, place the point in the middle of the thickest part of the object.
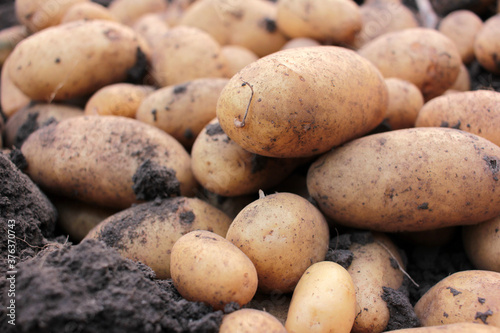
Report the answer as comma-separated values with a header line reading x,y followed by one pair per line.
x,y
487,46
250,320
289,97
409,180
482,244
405,102
206,267
108,160
466,296
476,112
452,328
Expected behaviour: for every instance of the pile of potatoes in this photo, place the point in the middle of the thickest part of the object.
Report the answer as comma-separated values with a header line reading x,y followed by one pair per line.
x,y
234,146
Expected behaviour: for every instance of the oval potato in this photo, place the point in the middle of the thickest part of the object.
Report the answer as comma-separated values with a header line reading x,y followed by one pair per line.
x,y
405,102
237,57
128,11
451,328
482,244
251,321
87,11
487,45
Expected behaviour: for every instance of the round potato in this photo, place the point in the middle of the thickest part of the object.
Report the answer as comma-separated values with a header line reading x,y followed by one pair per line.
x,y
87,11
451,328
409,180
323,301
405,101
70,60
302,102
128,11
300,42
11,98
424,57
147,232
482,244
237,57
206,267
487,45
283,234
111,161
476,112
251,321
466,296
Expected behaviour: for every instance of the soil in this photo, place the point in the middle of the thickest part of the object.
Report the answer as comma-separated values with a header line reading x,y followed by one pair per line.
x,y
152,181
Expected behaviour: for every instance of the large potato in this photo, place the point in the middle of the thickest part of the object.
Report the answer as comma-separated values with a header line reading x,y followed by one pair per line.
x,y
409,180
466,296
482,244
74,59
108,160
487,45
302,102
425,57
147,232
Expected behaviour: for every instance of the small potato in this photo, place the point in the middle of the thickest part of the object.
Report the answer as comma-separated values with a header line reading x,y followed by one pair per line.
x,y
323,301
282,234
409,180
9,38
487,45
424,57
333,21
29,119
151,27
237,57
476,112
463,81
482,244
119,99
251,321
462,26
405,101
300,42
207,268
128,11
466,296
87,11
452,328
11,98
147,232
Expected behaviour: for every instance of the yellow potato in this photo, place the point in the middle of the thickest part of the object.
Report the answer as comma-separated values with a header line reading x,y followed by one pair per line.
x,y
323,301
282,234
87,11
466,296
405,101
482,244
487,45
250,321
207,268
409,180
128,11
452,328
300,102
147,232
9,38
11,98
237,57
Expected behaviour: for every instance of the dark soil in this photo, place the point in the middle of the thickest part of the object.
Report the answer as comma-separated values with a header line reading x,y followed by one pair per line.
x,y
152,181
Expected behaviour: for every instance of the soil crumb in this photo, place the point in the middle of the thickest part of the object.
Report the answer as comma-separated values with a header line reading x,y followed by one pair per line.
x,y
153,181
214,129
138,71
90,288
342,257
401,311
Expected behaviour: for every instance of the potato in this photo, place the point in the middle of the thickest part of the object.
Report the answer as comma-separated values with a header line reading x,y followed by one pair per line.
x,y
111,161
425,57
88,11
223,167
453,328
250,321
476,112
119,99
29,119
184,54
300,102
462,26
237,57
11,98
466,296
463,81
151,27
128,11
207,268
409,180
9,38
37,15
405,101
71,60
487,45
147,232
182,110
282,234
482,244
323,301
300,42
333,21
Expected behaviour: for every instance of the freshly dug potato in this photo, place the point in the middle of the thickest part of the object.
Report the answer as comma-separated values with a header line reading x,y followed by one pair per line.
x,y
283,234
409,180
452,328
463,81
182,110
9,38
223,167
323,301
462,26
482,244
405,101
237,57
332,21
487,45
425,57
147,232
466,296
37,15
128,11
88,11
78,59
11,98
119,99
186,53
476,112
151,27
300,42
111,161
207,268
251,321
29,119
302,102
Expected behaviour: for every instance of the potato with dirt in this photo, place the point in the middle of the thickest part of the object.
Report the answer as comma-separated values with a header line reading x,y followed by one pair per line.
x,y
409,180
452,328
482,244
111,161
487,45
302,102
